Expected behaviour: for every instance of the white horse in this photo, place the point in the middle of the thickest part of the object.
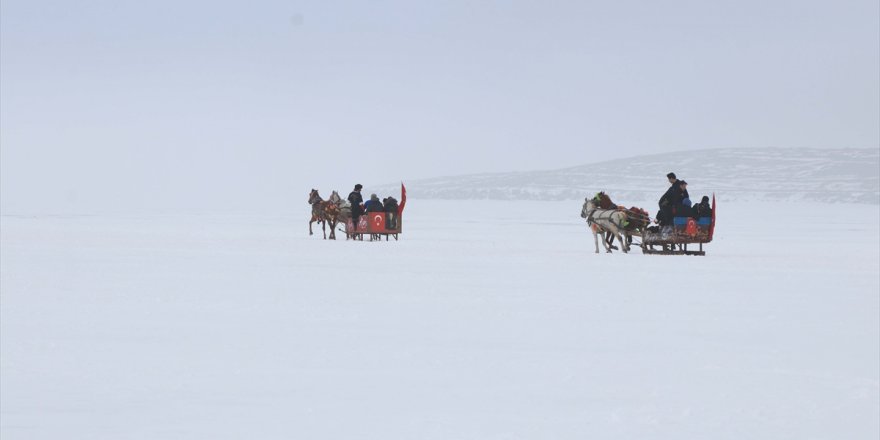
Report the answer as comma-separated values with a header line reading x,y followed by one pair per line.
x,y
604,220
338,200
344,211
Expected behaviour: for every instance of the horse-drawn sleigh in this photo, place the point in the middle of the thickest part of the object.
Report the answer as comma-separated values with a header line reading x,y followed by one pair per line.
x,y
684,231
336,210
603,217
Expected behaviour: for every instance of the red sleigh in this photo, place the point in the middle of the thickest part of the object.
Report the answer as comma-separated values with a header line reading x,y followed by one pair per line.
x,y
378,224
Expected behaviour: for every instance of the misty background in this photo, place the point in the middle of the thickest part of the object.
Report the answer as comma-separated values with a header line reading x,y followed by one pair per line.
x,y
122,105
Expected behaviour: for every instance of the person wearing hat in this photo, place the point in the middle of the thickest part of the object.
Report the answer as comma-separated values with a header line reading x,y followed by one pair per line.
x,y
357,207
373,205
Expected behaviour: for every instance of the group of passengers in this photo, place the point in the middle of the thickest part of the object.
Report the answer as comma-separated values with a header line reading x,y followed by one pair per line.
x,y
677,203
387,205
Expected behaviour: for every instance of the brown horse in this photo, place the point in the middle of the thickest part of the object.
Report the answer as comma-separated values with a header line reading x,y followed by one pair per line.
x,y
604,201
638,218
319,207
332,215
342,214
327,212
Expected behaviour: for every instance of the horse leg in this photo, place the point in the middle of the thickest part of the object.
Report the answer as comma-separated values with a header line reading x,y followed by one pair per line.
x,y
604,243
620,239
324,228
310,225
596,240
610,239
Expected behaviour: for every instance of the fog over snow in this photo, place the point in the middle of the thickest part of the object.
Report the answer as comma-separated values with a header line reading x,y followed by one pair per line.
x,y
745,174
221,105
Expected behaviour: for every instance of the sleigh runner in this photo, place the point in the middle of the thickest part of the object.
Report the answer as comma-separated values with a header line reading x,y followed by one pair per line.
x,y
375,224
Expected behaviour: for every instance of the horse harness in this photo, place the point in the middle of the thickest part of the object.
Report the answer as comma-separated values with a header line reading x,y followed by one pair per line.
x,y
591,219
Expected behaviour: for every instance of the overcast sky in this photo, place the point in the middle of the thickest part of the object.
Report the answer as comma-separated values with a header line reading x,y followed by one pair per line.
x,y
204,104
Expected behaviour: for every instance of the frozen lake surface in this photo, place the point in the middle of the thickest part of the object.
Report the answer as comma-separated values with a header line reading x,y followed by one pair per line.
x,y
488,320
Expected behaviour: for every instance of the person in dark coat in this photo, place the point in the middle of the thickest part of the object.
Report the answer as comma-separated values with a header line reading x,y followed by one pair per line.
x,y
673,195
683,186
374,205
683,207
357,207
390,213
703,209
670,200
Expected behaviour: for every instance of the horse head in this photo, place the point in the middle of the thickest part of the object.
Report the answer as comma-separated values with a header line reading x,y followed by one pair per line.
x,y
589,206
314,197
603,201
335,198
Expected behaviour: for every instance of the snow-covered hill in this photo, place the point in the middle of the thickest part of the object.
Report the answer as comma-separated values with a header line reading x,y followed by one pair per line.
x,y
770,174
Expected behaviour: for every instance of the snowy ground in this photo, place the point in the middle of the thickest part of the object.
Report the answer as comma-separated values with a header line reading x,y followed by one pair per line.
x,y
488,320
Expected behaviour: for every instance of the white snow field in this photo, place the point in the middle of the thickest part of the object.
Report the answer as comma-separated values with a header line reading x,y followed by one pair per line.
x,y
488,320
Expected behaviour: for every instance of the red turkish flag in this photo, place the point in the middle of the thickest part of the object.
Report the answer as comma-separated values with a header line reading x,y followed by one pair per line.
x,y
712,226
691,227
402,199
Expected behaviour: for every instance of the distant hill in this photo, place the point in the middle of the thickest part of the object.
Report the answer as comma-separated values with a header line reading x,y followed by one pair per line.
x,y
770,174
